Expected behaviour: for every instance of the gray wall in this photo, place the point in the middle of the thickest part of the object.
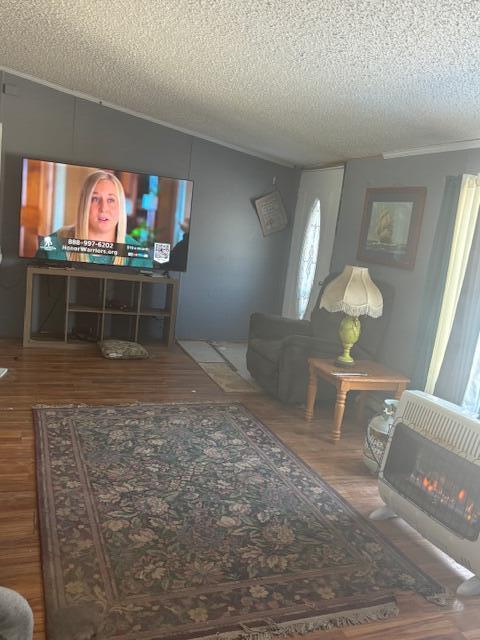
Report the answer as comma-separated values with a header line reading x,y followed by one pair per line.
x,y
427,171
232,269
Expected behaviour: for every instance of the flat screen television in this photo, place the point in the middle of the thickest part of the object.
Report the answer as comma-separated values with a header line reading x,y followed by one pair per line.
x,y
80,214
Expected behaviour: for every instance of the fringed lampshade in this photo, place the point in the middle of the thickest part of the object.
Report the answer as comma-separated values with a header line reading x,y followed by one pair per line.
x,y
354,293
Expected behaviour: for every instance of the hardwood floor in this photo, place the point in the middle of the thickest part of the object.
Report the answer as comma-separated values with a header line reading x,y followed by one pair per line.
x,y
40,376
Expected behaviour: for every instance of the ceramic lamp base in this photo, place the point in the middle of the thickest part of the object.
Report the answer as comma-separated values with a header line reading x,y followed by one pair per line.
x,y
349,332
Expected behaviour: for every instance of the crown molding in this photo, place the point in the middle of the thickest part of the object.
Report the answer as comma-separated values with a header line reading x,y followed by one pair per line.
x,y
137,114
458,145
333,167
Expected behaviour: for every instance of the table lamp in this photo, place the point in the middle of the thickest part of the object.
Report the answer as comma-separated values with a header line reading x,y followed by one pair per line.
x,y
354,293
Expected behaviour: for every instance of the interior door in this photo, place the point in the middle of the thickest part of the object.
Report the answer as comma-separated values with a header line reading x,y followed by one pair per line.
x,y
321,187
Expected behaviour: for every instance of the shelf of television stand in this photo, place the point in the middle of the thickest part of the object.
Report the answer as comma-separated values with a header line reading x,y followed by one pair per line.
x,y
154,312
80,308
133,311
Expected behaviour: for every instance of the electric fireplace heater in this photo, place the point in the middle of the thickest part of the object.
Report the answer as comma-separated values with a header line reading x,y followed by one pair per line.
x,y
430,476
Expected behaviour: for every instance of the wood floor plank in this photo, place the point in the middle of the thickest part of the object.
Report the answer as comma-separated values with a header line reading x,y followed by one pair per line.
x,y
65,377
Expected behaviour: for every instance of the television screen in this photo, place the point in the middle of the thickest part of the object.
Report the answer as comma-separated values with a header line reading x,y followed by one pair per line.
x,y
72,213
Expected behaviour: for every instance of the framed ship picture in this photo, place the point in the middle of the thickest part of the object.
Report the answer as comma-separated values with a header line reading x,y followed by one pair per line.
x,y
391,226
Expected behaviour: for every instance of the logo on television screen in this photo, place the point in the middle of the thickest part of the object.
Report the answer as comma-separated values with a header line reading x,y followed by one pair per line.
x,y
47,244
161,252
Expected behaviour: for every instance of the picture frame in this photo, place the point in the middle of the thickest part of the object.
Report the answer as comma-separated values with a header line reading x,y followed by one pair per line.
x,y
271,213
392,217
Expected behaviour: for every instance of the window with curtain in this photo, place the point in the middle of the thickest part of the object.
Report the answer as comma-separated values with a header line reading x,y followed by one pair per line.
x,y
454,363
308,259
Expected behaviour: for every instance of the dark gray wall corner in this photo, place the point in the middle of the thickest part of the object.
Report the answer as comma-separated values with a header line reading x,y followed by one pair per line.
x,y
427,171
232,269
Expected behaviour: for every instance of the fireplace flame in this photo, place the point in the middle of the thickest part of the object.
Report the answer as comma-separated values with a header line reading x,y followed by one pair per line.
x,y
430,485
460,500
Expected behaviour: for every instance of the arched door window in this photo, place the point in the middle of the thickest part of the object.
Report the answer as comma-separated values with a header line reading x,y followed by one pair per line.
x,y
308,259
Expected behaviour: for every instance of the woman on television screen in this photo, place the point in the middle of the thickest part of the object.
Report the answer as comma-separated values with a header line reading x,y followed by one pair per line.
x,y
102,219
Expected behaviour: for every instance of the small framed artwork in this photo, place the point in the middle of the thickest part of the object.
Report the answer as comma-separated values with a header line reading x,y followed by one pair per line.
x,y
271,213
391,223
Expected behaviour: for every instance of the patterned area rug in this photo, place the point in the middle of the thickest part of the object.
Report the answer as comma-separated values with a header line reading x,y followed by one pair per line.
x,y
189,521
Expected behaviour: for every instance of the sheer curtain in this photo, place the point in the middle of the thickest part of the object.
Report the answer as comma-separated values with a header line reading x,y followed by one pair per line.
x,y
463,233
435,281
471,398
459,372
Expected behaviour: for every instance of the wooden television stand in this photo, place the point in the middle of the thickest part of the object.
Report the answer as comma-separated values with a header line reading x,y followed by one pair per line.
x,y
99,284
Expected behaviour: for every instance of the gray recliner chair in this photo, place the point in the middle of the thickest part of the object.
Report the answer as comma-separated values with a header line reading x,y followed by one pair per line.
x,y
278,347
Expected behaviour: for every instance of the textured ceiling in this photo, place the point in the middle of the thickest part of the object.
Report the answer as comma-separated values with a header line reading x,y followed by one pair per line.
x,y
307,81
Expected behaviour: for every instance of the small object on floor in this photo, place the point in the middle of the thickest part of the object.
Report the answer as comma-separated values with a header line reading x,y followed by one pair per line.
x,y
3,371
16,617
122,350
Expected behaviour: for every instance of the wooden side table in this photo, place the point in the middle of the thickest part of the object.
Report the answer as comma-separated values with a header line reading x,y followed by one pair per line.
x,y
376,378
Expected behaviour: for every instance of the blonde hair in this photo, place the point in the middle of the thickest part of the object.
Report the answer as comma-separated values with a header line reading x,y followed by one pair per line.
x,y
81,227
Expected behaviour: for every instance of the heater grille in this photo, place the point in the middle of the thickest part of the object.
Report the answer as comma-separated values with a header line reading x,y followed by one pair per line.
x,y
445,429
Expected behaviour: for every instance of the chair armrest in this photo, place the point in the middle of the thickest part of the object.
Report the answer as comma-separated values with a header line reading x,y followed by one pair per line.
x,y
272,327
